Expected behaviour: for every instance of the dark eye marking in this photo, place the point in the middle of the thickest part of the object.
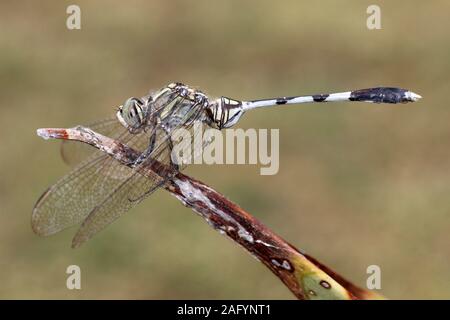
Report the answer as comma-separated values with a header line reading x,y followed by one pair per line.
x,y
133,111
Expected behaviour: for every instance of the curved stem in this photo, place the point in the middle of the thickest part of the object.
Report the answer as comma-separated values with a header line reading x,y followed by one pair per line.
x,y
305,277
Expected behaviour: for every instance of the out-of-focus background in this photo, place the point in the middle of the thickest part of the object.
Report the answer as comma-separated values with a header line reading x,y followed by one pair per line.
x,y
358,185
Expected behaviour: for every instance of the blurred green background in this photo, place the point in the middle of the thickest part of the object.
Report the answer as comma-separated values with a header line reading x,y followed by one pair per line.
x,y
359,184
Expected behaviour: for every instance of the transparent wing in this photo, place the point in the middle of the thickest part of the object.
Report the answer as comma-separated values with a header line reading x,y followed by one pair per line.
x,y
125,196
101,189
137,187
69,201
73,152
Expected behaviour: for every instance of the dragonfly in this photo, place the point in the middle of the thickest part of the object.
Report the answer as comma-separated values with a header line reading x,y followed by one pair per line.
x,y
100,189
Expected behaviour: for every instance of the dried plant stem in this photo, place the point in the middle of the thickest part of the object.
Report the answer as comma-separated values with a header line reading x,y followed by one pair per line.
x,y
302,274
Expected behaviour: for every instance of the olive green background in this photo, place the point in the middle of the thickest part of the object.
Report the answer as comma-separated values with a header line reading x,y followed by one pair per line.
x,y
358,184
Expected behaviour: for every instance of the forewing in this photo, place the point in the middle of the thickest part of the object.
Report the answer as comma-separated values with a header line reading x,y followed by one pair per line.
x,y
70,200
74,152
101,189
141,183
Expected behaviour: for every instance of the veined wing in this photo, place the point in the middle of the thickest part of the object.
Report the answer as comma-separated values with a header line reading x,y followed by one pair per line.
x,y
137,187
131,191
73,197
100,189
74,152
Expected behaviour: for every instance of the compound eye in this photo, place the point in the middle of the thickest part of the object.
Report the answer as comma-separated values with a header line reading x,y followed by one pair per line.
x,y
130,107
131,112
128,104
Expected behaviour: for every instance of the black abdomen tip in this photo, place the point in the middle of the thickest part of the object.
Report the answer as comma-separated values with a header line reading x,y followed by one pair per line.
x,y
382,95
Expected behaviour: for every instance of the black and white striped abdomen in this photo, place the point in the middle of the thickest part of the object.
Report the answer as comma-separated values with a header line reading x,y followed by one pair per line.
x,y
374,95
225,112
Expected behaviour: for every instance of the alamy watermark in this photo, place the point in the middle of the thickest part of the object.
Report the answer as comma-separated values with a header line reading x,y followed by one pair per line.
x,y
229,146
73,21
373,21
374,279
74,279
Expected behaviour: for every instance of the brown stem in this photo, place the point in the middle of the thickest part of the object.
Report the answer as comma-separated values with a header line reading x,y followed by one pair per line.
x,y
303,275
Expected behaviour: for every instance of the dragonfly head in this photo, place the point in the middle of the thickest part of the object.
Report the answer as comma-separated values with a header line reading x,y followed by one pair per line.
x,y
131,114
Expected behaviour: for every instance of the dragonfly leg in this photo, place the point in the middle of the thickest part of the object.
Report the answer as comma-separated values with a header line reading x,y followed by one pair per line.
x,y
147,152
169,140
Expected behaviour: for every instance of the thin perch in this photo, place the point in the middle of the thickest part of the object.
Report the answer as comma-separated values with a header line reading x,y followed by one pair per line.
x,y
302,274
